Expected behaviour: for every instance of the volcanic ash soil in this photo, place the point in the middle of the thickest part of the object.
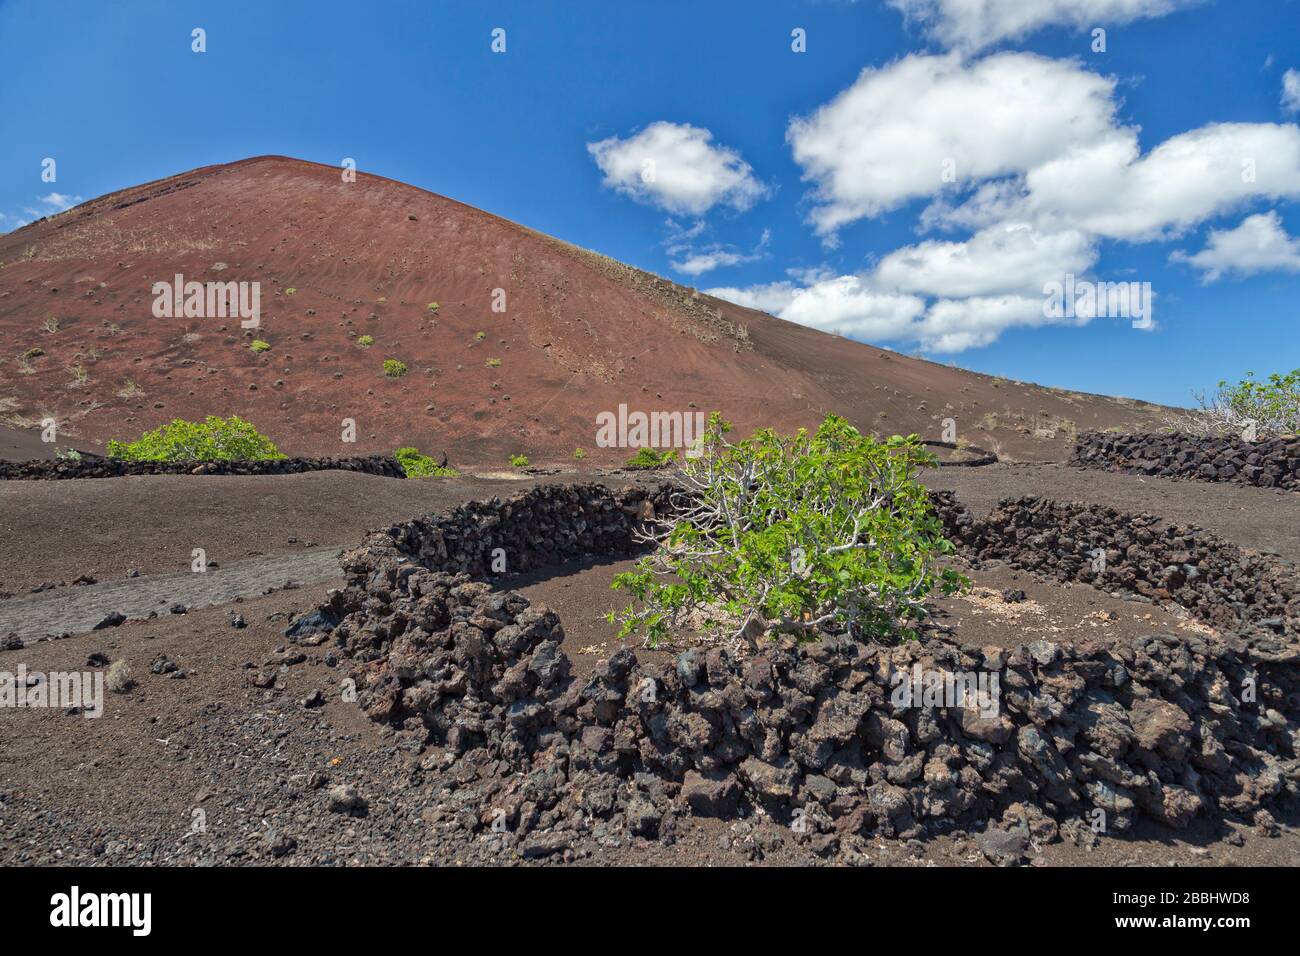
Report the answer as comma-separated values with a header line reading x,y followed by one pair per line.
x,y
236,746
209,767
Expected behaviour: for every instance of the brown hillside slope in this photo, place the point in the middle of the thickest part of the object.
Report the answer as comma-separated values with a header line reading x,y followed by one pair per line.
x,y
337,261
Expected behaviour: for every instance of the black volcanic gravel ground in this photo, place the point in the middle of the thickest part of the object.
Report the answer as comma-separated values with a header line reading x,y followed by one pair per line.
x,y
259,764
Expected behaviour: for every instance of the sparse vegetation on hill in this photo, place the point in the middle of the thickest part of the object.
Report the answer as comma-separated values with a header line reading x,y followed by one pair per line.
x,y
24,360
260,345
130,389
585,314
493,363
799,535
214,439
518,461
417,465
366,341
394,368
647,458
118,677
79,376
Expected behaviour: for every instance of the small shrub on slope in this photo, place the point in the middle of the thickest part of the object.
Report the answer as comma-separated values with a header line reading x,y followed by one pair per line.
x,y
394,368
420,466
215,439
647,458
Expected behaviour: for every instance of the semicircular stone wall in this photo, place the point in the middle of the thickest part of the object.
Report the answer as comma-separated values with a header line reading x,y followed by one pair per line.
x,y
836,738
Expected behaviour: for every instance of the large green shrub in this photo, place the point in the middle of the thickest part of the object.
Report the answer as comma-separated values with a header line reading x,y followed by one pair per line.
x,y
801,534
420,466
394,368
1248,409
214,439
1270,407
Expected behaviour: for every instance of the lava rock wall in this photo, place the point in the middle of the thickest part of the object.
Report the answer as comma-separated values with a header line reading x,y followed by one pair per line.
x,y
88,467
1084,734
1220,583
536,528
1270,463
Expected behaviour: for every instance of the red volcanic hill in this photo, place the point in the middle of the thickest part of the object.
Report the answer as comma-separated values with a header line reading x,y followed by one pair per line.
x,y
338,262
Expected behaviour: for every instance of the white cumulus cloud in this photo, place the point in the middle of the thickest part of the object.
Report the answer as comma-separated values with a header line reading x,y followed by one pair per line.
x,y
857,306
973,24
1027,161
677,167
1291,91
893,135
49,205
1001,259
58,202
1258,244
691,260
1111,190
954,325
845,304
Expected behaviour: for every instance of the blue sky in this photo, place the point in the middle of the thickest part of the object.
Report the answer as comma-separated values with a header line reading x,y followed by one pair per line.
x,y
813,189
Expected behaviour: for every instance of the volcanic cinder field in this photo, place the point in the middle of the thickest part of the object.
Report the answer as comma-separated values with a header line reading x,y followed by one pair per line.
x,y
579,334
242,739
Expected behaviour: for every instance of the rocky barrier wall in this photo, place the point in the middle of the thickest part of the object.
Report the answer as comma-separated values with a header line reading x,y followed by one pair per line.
x,y
541,526
834,738
1269,463
382,465
1220,583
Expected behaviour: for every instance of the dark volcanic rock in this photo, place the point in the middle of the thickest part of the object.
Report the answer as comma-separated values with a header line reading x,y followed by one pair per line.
x,y
1162,725
1268,463
94,467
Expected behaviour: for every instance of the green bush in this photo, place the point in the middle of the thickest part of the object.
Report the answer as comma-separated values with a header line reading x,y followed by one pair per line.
x,y
519,461
214,439
366,341
579,453
1272,406
260,345
393,368
432,307
647,458
420,466
493,363
804,535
